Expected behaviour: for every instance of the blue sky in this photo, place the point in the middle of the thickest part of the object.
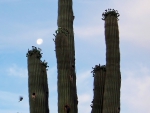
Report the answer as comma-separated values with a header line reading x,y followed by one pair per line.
x,y
22,22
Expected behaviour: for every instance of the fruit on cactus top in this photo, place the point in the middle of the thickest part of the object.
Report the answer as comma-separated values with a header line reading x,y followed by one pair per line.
x,y
111,12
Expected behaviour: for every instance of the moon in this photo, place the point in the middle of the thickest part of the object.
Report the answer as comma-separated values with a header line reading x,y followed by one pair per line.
x,y
39,41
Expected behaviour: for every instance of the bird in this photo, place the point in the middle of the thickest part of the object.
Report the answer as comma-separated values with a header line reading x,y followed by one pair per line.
x,y
20,98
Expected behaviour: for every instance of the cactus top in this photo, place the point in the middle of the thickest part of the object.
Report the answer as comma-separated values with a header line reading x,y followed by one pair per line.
x,y
111,12
34,50
98,67
37,52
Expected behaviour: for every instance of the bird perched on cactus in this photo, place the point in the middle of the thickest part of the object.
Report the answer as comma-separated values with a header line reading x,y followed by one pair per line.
x,y
20,98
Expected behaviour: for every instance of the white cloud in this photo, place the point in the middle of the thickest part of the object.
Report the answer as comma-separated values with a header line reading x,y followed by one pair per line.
x,y
52,79
135,90
83,79
85,1
17,71
90,31
52,71
5,1
85,91
133,22
9,99
84,98
133,9
27,35
84,103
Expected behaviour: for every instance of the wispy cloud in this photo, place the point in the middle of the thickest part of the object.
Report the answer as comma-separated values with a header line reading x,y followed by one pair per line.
x,y
10,100
52,71
135,90
83,77
86,32
17,71
84,98
26,35
7,1
133,16
52,79
84,103
85,92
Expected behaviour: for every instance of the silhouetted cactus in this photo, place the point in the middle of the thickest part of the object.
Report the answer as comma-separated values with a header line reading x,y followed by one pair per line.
x,y
111,103
111,12
65,54
99,74
37,82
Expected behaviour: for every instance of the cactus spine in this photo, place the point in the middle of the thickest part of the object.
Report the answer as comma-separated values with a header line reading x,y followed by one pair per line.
x,y
111,102
65,54
99,74
37,82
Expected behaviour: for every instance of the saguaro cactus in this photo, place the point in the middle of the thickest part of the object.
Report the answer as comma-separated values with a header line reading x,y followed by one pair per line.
x,y
111,102
65,54
37,82
99,74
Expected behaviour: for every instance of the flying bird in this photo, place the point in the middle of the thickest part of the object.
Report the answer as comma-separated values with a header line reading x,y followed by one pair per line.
x,y
20,98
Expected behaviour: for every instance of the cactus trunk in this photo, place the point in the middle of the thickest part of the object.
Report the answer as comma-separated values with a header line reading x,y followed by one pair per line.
x,y
65,54
99,74
111,102
37,83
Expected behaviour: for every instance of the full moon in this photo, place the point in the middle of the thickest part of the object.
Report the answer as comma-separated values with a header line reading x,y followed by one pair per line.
x,y
39,41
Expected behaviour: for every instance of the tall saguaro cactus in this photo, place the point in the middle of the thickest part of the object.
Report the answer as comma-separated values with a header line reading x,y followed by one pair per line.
x,y
65,54
37,82
99,74
111,102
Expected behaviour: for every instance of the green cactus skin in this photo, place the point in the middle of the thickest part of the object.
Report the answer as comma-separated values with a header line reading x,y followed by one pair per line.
x,y
37,82
99,74
111,103
65,54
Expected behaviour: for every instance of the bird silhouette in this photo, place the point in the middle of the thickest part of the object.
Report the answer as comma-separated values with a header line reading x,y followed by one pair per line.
x,y
20,98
